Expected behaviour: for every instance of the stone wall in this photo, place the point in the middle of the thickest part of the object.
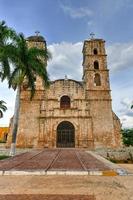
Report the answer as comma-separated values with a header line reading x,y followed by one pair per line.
x,y
118,154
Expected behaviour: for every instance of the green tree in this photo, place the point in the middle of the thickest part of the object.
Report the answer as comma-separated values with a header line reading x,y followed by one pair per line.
x,y
3,108
127,135
7,36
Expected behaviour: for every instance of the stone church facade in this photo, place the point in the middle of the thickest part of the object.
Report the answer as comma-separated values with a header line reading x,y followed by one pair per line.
x,y
71,113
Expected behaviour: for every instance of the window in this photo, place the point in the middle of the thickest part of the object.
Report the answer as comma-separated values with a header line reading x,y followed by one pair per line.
x,y
97,80
65,102
96,65
95,52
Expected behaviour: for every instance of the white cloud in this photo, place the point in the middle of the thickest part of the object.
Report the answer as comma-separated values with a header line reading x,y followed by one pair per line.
x,y
120,56
66,60
127,122
76,12
126,113
120,59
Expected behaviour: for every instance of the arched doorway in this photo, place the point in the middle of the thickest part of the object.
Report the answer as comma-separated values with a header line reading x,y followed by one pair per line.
x,y
65,135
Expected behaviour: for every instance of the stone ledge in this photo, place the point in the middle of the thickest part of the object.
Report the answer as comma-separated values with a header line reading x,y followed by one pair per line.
x,y
15,172
51,173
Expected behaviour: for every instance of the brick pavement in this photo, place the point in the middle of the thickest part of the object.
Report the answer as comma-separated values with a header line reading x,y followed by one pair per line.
x,y
46,197
54,160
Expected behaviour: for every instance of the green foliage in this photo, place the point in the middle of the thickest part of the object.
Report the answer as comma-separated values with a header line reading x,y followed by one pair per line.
x,y
18,62
1,141
27,64
127,135
3,157
3,108
7,36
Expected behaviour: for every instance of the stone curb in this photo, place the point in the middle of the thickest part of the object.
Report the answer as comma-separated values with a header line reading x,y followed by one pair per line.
x,y
1,173
24,173
44,173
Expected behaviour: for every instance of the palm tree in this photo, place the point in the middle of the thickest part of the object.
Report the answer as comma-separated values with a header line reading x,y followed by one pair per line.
x,y
27,64
3,108
19,63
7,36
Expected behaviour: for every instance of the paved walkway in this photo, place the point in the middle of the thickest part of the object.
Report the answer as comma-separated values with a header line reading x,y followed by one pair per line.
x,y
56,161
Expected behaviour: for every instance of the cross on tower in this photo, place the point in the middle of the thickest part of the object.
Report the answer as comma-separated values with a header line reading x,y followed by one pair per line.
x,y
66,77
92,35
37,33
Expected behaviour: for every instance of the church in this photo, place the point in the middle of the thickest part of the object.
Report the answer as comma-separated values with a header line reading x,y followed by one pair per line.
x,y
70,113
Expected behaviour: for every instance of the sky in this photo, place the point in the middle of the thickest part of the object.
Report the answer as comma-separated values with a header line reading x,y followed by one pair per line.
x,y
65,24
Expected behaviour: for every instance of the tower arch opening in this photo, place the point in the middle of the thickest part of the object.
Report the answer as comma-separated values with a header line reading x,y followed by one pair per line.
x,y
97,80
96,64
65,102
95,51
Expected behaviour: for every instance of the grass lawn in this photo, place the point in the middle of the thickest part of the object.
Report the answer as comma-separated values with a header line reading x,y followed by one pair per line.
x,y
3,157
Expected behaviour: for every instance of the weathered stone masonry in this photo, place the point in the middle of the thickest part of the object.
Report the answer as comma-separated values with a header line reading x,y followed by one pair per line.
x,y
71,113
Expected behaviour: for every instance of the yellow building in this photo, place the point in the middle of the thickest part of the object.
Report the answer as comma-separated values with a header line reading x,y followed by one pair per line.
x,y
3,133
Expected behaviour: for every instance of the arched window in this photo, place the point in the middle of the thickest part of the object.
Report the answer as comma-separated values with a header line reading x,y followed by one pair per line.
x,y
65,102
95,51
97,80
96,65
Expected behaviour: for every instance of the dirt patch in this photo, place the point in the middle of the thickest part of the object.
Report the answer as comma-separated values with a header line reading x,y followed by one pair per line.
x,y
103,188
47,197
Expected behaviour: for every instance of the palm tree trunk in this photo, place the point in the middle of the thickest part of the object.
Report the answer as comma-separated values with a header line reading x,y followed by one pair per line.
x,y
15,123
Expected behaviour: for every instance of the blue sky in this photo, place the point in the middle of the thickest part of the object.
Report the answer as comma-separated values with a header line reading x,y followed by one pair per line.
x,y
65,24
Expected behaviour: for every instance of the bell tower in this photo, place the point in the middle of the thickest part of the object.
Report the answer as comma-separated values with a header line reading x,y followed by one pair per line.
x,y
95,72
97,90
38,42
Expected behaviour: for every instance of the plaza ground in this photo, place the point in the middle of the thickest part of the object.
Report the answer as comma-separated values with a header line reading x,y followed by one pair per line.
x,y
63,187
102,187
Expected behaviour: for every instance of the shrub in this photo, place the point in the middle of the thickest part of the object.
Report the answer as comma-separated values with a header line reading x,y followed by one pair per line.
x,y
127,136
3,157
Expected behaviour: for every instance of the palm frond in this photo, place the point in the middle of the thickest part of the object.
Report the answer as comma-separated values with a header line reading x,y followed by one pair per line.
x,y
27,63
31,83
3,108
2,102
6,33
42,53
7,37
14,79
5,73
1,114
